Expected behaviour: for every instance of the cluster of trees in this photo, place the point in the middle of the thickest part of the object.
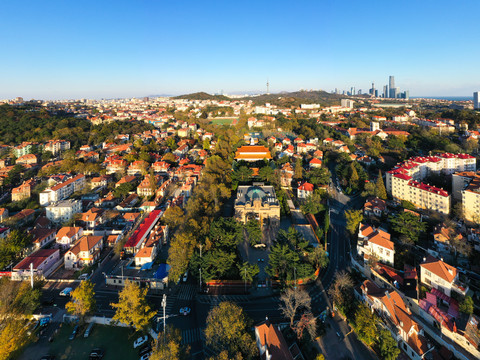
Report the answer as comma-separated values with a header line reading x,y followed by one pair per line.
x,y
12,247
407,226
218,257
17,302
30,123
351,174
292,257
375,188
204,205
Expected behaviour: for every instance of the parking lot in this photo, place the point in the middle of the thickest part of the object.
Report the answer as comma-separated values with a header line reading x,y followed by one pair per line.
x,y
117,343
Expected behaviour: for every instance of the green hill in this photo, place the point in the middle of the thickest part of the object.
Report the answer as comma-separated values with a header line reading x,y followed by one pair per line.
x,y
296,98
202,96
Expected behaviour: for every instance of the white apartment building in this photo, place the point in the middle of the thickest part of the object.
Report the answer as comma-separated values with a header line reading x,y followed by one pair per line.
x,y
62,191
64,210
471,199
57,146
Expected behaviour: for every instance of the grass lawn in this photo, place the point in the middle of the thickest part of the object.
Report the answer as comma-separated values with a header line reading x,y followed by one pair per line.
x,y
221,121
117,343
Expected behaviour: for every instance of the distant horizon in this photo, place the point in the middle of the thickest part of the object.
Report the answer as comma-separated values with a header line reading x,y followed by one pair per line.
x,y
64,50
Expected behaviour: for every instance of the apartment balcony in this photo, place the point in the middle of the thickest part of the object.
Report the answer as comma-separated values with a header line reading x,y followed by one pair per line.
x,y
460,288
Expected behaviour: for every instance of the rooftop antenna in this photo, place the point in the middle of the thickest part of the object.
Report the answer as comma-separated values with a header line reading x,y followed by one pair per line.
x,y
268,87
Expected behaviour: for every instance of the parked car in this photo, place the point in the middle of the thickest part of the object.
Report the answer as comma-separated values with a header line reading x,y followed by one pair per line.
x,y
74,333
89,329
185,311
83,277
140,341
145,356
145,349
185,276
66,292
97,354
44,322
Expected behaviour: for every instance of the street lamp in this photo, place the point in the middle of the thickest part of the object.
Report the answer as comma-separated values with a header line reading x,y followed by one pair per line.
x,y
164,304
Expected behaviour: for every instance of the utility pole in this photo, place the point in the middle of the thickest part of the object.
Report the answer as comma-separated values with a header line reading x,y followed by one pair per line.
x,y
200,270
164,304
245,280
31,275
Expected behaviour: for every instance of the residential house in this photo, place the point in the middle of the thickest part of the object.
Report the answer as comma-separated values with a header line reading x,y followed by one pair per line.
x,y
3,214
375,207
439,275
389,305
145,255
42,237
92,218
138,167
375,244
68,235
315,163
43,261
146,188
4,232
28,159
271,343
23,191
84,253
57,146
304,190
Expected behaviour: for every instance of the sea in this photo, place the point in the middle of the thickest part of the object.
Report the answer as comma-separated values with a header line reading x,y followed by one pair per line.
x,y
449,98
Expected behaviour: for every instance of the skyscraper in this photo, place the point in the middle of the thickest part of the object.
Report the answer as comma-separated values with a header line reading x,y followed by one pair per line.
x,y
385,91
476,100
391,86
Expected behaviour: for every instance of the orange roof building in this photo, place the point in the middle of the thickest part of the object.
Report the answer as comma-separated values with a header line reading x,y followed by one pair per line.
x,y
252,153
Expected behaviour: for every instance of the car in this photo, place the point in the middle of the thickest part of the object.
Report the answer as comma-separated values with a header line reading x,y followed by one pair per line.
x,y
185,311
185,276
44,322
66,292
97,354
74,333
145,356
145,349
83,277
89,330
140,341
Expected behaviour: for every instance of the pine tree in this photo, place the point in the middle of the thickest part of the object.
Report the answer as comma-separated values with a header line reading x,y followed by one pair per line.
x,y
380,187
354,176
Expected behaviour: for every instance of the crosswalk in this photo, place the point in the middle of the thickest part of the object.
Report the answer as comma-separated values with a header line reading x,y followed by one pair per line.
x,y
186,292
215,300
191,336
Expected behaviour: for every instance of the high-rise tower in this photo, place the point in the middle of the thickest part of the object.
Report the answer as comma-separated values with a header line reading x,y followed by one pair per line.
x,y
391,86
476,100
268,87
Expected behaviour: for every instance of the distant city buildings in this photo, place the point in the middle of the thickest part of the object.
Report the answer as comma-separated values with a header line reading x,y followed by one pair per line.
x,y
476,100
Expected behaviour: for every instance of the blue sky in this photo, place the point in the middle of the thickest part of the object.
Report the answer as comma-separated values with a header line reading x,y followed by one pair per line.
x,y
94,49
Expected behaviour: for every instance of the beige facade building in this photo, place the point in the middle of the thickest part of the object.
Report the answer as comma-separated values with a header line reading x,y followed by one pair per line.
x,y
424,196
471,200
257,202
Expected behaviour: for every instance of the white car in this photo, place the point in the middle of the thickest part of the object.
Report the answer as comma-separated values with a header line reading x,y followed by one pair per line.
x,y
66,292
140,341
185,311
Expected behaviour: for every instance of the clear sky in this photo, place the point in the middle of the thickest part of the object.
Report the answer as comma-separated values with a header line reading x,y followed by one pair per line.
x,y
93,49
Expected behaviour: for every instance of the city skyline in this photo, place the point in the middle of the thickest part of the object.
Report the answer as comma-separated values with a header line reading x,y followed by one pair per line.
x,y
61,51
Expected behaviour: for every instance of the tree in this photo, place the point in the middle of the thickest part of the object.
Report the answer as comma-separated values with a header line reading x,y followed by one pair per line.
x,y
365,324
318,176
242,174
179,254
318,257
228,330
293,238
282,261
266,173
254,231
354,178
387,345
169,347
132,308
354,218
370,189
407,224
313,204
298,172
466,306
248,271
173,217
341,292
83,300
381,192
294,300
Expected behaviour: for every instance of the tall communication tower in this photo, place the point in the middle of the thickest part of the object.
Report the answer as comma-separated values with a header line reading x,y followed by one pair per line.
x,y
268,87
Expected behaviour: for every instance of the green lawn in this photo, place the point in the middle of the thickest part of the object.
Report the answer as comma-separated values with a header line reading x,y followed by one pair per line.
x,y
117,343
221,121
